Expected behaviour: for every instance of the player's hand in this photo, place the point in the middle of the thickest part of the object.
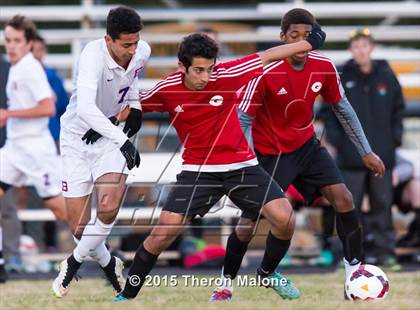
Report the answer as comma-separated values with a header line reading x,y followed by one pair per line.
x,y
91,136
131,155
317,37
3,117
133,122
374,164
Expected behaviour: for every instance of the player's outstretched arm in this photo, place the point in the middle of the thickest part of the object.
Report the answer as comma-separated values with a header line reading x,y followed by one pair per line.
x,y
354,130
45,108
314,41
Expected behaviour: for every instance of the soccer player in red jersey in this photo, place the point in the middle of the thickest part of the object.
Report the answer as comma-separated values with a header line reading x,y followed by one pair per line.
x,y
202,105
279,103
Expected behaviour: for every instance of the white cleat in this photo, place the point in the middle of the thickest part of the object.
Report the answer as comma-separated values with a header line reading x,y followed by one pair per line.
x,y
58,289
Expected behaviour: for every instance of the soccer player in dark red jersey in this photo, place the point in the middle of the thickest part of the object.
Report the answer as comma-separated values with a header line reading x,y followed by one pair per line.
x,y
202,105
279,103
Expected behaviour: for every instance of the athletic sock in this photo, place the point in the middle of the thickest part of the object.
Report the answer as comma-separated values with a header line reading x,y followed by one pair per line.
x,y
72,266
350,233
142,264
101,254
93,236
275,250
235,252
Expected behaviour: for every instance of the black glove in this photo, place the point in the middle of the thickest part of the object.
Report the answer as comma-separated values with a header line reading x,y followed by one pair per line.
x,y
131,155
91,136
133,122
317,37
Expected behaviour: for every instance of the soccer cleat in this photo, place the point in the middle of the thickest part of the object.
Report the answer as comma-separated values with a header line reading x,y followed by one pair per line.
x,y
221,294
120,298
114,273
282,286
67,271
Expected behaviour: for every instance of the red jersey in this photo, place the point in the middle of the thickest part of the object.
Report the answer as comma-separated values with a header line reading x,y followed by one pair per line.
x,y
282,101
206,120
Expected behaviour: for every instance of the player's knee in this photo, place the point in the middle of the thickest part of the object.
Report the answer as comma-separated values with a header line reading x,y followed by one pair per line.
x,y
343,202
285,220
161,242
108,208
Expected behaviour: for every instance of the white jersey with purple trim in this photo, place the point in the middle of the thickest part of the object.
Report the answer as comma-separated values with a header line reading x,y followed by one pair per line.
x,y
27,85
102,88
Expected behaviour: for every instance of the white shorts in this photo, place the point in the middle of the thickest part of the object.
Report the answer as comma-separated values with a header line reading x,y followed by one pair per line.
x,y
83,164
32,161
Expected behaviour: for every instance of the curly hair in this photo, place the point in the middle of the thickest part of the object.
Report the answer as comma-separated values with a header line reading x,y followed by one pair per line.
x,y
22,23
122,20
197,45
296,16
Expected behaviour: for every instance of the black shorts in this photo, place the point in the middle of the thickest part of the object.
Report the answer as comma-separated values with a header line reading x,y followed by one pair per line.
x,y
309,169
195,193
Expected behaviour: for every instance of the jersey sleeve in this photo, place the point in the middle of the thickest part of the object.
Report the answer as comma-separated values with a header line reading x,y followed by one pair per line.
x,y
38,83
239,71
87,82
251,96
332,92
153,100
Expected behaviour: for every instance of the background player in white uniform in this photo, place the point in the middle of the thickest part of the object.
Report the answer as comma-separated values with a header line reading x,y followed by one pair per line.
x,y
106,83
29,156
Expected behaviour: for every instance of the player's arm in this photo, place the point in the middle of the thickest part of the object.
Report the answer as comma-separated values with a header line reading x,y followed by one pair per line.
x,y
354,130
314,41
88,80
39,88
250,100
45,108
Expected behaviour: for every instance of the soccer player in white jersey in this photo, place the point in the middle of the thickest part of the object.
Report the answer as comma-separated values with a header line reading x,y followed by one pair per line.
x,y
105,84
29,156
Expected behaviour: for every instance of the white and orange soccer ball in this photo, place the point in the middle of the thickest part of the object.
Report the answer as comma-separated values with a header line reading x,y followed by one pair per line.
x,y
368,282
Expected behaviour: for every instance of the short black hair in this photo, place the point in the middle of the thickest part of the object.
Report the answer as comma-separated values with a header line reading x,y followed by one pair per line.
x,y
197,45
122,20
296,16
22,23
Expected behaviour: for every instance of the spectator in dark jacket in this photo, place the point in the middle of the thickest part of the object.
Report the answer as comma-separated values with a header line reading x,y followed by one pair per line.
x,y
376,96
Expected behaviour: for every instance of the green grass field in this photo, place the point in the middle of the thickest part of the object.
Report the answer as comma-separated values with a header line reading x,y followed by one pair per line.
x,y
322,291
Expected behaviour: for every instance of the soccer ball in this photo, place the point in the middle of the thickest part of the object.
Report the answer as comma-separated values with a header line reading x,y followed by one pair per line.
x,y
368,282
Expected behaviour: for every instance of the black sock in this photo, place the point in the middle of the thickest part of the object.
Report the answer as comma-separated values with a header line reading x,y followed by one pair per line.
x,y
142,264
350,233
73,266
1,258
235,252
328,221
275,250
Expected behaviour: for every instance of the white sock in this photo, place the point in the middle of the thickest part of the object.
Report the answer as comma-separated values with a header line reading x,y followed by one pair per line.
x,y
100,254
1,246
350,268
92,237
227,283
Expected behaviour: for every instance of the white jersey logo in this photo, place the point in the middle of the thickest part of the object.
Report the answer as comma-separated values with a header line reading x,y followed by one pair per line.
x,y
316,87
216,100
179,109
282,91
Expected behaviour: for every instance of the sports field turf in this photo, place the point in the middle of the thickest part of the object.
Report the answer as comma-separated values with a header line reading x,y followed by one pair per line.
x,y
320,291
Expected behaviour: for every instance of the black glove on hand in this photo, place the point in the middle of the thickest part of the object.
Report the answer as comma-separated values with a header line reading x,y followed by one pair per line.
x,y
131,155
91,136
317,37
133,122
